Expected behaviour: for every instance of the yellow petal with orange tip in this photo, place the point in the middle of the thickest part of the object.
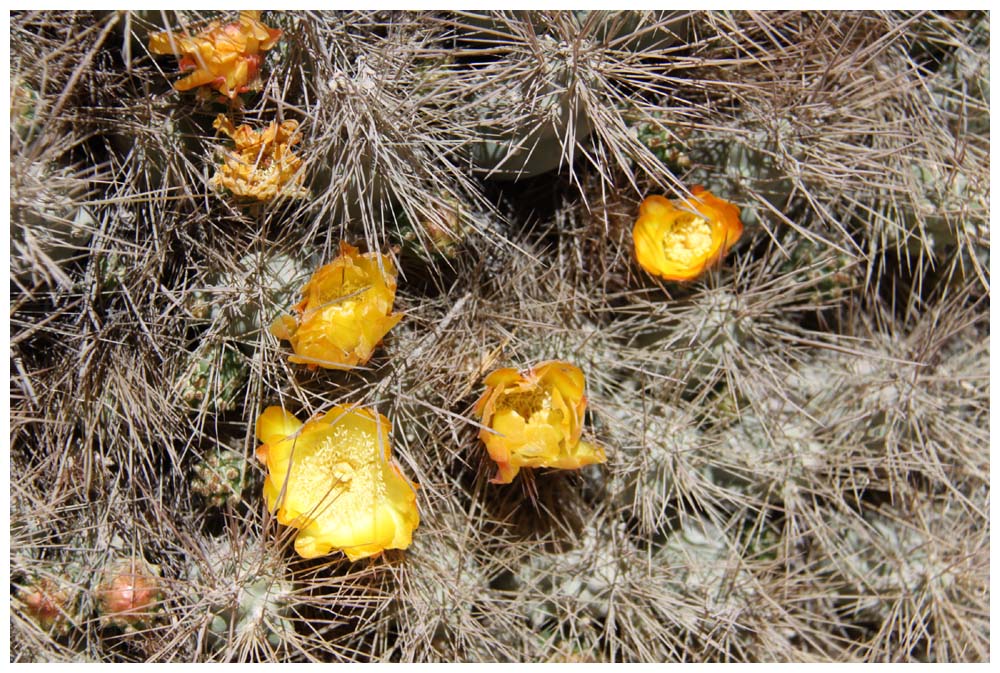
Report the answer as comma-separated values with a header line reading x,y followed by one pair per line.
x,y
535,419
194,80
168,43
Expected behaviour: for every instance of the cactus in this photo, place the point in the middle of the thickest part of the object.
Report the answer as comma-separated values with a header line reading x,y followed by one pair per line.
x,y
245,299
449,618
50,224
778,453
535,144
579,580
888,570
650,445
701,335
221,478
246,599
703,568
796,436
832,275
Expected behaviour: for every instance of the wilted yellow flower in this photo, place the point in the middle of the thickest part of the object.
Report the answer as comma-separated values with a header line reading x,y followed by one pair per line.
x,y
263,165
535,419
333,478
677,240
227,57
345,311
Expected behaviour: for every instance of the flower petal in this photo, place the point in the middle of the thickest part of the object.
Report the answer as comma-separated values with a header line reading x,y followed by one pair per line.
x,y
275,424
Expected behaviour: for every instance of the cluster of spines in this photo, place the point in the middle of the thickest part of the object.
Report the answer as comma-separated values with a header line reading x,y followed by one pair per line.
x,y
842,281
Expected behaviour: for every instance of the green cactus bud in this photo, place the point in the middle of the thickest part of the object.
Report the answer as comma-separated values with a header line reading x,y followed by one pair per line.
x,y
666,144
213,378
221,478
23,110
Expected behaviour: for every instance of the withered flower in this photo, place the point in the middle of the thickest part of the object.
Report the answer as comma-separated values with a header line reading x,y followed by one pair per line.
x,y
263,167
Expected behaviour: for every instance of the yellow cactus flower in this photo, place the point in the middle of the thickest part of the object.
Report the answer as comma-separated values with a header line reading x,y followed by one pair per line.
x,y
345,311
333,478
263,166
226,57
535,419
677,240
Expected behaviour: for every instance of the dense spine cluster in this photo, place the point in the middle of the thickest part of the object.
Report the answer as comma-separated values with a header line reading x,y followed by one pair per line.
x,y
797,439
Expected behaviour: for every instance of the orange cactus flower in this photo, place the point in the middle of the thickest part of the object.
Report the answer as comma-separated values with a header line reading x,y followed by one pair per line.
x,y
535,419
346,310
334,479
678,240
263,166
226,57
